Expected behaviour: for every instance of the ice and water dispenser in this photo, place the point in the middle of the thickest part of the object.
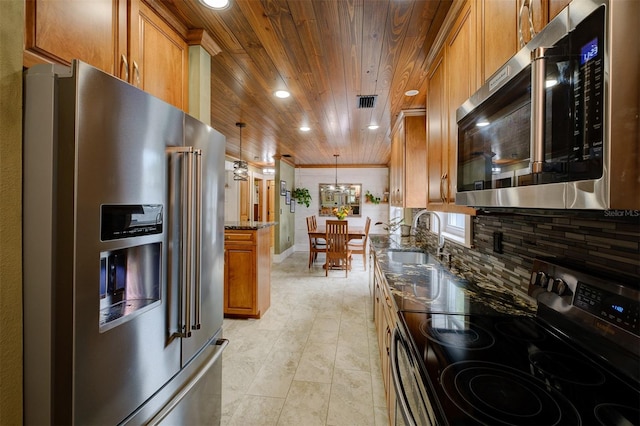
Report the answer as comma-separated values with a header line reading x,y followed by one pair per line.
x,y
130,277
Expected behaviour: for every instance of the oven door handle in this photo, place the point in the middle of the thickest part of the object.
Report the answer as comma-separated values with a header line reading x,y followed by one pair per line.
x,y
401,397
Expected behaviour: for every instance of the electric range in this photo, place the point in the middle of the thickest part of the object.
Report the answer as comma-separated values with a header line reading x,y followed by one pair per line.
x,y
575,363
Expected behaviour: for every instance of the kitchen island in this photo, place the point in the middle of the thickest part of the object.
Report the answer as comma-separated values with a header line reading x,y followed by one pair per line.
x,y
247,268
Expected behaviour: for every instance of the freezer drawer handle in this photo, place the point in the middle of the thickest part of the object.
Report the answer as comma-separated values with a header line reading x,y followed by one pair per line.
x,y
157,419
191,211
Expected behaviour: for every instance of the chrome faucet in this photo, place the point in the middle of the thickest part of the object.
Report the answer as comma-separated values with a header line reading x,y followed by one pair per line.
x,y
433,215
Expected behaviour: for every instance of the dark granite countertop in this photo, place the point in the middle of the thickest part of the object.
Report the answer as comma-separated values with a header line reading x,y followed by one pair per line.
x,y
433,287
248,225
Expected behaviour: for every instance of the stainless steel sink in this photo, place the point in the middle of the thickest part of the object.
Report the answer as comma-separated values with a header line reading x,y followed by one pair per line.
x,y
416,257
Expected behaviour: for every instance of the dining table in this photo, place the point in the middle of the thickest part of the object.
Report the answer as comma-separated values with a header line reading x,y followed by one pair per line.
x,y
355,233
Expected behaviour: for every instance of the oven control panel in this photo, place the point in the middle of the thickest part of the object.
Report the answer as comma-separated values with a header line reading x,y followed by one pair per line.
x,y
611,307
587,299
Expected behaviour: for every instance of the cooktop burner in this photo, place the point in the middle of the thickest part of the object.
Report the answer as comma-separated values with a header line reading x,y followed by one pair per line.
x,y
555,367
457,332
493,393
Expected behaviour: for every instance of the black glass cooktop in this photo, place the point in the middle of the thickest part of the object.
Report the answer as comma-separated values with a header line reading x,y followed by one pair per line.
x,y
508,370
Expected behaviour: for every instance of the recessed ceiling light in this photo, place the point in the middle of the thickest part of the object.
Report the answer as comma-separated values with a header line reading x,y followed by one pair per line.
x,y
412,92
305,128
215,4
373,126
282,94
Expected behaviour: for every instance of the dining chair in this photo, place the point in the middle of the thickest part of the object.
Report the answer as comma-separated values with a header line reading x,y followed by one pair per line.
x,y
315,226
360,246
315,246
337,252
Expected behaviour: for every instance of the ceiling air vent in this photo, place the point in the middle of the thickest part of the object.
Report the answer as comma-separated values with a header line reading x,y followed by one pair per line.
x,y
367,101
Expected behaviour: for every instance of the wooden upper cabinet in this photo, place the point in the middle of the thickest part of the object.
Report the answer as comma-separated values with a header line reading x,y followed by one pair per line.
x,y
415,169
555,6
462,80
437,147
92,31
124,38
396,167
158,56
498,29
407,175
498,35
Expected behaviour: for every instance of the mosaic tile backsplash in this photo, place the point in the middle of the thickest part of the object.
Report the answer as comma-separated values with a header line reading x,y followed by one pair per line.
x,y
606,241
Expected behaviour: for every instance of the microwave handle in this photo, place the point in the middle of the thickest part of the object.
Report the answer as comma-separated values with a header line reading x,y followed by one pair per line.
x,y
538,102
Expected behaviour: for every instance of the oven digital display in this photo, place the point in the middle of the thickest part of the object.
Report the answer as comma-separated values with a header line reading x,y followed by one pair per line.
x,y
589,51
617,308
608,306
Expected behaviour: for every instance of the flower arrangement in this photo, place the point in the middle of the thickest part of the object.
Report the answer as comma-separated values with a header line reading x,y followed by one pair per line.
x,y
341,212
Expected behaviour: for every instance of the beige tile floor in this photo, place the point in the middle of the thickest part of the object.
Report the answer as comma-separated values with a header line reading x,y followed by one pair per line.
x,y
312,359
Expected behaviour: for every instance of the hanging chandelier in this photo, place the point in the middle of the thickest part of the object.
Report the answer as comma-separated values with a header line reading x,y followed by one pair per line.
x,y
337,189
240,168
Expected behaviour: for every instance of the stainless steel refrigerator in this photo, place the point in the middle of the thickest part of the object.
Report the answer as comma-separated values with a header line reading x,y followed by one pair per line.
x,y
123,254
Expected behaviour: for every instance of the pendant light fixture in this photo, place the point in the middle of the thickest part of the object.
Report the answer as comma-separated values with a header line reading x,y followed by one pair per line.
x,y
336,188
240,168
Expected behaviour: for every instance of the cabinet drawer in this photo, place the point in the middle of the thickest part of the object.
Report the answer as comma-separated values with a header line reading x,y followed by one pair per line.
x,y
248,237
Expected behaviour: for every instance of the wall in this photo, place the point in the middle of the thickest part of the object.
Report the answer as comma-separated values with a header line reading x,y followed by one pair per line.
x,y
608,241
11,41
375,180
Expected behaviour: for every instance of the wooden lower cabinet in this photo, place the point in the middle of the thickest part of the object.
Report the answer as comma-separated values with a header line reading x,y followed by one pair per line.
x,y
247,272
385,319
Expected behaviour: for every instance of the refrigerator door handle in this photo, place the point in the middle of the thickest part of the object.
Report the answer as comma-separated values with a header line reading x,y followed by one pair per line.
x,y
198,233
190,182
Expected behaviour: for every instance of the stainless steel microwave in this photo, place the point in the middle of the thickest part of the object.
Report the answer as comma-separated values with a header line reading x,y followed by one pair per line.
x,y
557,126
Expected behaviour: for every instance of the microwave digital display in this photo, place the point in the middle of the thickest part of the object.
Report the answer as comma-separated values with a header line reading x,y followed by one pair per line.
x,y
589,51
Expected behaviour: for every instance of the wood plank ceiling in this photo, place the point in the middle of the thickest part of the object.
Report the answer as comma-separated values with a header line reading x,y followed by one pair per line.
x,y
326,53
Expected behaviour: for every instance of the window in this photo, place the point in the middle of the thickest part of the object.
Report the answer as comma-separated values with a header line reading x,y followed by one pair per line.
x,y
457,227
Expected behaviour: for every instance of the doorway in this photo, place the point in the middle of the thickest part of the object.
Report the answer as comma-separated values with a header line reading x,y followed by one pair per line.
x,y
271,213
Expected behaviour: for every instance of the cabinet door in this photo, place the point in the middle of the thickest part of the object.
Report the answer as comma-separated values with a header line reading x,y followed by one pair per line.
x,y
462,82
498,34
555,6
436,131
158,56
92,31
240,279
397,167
415,171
